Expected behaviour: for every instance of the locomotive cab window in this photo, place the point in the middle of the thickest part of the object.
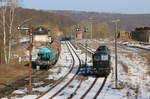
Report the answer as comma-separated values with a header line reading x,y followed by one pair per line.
x,y
97,58
104,57
101,58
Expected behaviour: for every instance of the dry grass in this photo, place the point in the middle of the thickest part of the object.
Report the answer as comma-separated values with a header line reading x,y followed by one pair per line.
x,y
125,67
148,60
11,71
147,56
130,55
14,69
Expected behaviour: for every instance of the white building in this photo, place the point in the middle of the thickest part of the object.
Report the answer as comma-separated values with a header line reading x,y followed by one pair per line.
x,y
40,34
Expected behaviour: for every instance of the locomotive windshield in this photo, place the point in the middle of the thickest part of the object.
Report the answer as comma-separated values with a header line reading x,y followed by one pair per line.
x,y
97,58
104,57
101,58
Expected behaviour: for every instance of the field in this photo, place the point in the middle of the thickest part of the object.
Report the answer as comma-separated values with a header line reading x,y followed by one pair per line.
x,y
10,71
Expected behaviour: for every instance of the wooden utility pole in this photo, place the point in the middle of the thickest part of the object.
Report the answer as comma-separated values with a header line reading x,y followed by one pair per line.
x,y
30,46
91,23
30,59
116,57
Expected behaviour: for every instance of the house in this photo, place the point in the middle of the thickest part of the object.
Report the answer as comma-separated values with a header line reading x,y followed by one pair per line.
x,y
41,37
124,35
141,34
41,34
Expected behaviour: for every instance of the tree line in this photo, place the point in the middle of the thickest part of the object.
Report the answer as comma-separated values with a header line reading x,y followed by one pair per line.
x,y
7,13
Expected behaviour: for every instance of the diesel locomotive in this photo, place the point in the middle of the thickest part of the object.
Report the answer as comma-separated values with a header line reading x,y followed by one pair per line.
x,y
101,61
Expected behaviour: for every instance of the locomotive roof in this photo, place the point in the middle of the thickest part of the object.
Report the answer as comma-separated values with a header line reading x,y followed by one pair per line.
x,y
102,50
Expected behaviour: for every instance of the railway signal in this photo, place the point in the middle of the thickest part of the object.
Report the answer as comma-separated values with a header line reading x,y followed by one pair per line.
x,y
30,29
116,58
78,30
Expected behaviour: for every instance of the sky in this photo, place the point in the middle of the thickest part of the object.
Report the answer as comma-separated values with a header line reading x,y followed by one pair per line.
x,y
111,6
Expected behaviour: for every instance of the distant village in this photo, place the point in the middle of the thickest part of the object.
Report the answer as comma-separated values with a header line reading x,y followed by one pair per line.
x,y
140,34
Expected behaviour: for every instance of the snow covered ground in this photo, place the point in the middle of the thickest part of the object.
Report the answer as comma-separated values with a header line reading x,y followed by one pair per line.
x,y
133,80
137,44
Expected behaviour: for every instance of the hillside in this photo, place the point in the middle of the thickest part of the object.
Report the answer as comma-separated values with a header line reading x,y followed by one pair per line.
x,y
40,17
128,21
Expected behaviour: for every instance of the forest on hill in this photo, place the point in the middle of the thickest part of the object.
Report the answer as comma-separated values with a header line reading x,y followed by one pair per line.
x,y
66,22
127,22
40,17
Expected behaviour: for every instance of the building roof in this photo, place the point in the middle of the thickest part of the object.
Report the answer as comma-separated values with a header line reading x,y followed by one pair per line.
x,y
143,28
102,50
40,31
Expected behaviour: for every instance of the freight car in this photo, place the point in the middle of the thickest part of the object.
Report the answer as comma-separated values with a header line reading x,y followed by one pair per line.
x,y
67,37
47,57
101,61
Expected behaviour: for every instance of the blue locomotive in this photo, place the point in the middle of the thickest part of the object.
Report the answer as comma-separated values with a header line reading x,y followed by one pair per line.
x,y
47,57
101,61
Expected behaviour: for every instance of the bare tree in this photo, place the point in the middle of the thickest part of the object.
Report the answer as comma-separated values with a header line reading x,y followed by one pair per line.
x,y
13,5
3,22
7,19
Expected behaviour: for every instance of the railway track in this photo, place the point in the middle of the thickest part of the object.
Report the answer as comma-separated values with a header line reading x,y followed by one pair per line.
x,y
91,88
72,77
61,80
90,50
20,82
87,91
81,81
103,81
36,75
100,89
53,94
72,94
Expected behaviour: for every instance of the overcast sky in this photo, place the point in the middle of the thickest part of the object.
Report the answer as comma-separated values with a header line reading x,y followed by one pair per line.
x,y
113,6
